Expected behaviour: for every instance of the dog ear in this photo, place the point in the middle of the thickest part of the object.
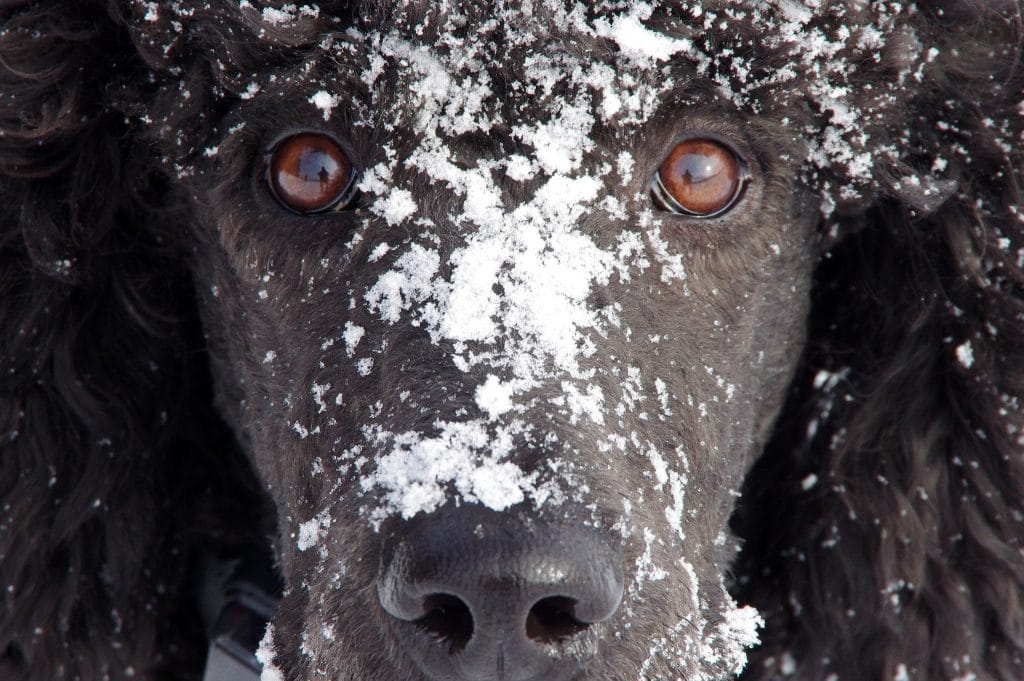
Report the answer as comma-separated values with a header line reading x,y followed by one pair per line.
x,y
888,509
93,345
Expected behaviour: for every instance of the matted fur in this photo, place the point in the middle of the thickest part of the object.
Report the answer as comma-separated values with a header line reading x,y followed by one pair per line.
x,y
883,527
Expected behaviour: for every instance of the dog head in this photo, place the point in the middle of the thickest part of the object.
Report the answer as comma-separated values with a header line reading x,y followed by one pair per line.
x,y
502,304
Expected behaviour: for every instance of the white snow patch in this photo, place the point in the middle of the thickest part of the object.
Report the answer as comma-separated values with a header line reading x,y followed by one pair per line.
x,y
727,643
639,42
965,354
520,168
395,207
313,530
674,513
318,390
624,164
660,467
410,282
265,656
379,251
828,380
672,266
352,334
559,144
494,397
324,101
589,403
288,13
417,472
646,569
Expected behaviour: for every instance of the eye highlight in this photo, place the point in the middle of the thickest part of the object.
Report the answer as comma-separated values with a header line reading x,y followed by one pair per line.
x,y
311,173
700,177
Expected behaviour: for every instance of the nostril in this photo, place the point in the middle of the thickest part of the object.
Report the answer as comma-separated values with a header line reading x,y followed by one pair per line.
x,y
553,620
447,619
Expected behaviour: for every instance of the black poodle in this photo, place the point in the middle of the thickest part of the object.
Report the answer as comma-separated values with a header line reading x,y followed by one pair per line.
x,y
480,341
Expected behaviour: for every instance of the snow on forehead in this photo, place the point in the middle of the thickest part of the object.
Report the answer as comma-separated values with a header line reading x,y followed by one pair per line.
x,y
758,55
754,55
449,64
513,297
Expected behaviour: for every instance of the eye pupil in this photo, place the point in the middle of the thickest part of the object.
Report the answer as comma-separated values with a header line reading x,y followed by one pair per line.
x,y
310,173
700,177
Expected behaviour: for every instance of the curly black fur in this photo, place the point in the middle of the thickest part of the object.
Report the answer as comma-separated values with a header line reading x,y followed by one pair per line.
x,y
117,475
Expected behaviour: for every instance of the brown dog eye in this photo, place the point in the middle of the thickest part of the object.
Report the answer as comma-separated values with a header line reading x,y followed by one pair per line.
x,y
701,177
311,173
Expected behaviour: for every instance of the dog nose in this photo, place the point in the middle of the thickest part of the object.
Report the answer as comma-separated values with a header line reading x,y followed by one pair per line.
x,y
476,596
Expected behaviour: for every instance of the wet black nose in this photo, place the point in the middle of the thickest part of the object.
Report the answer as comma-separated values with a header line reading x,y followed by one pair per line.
x,y
478,596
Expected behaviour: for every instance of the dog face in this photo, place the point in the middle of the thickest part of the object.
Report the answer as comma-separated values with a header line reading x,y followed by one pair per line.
x,y
501,301
501,319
